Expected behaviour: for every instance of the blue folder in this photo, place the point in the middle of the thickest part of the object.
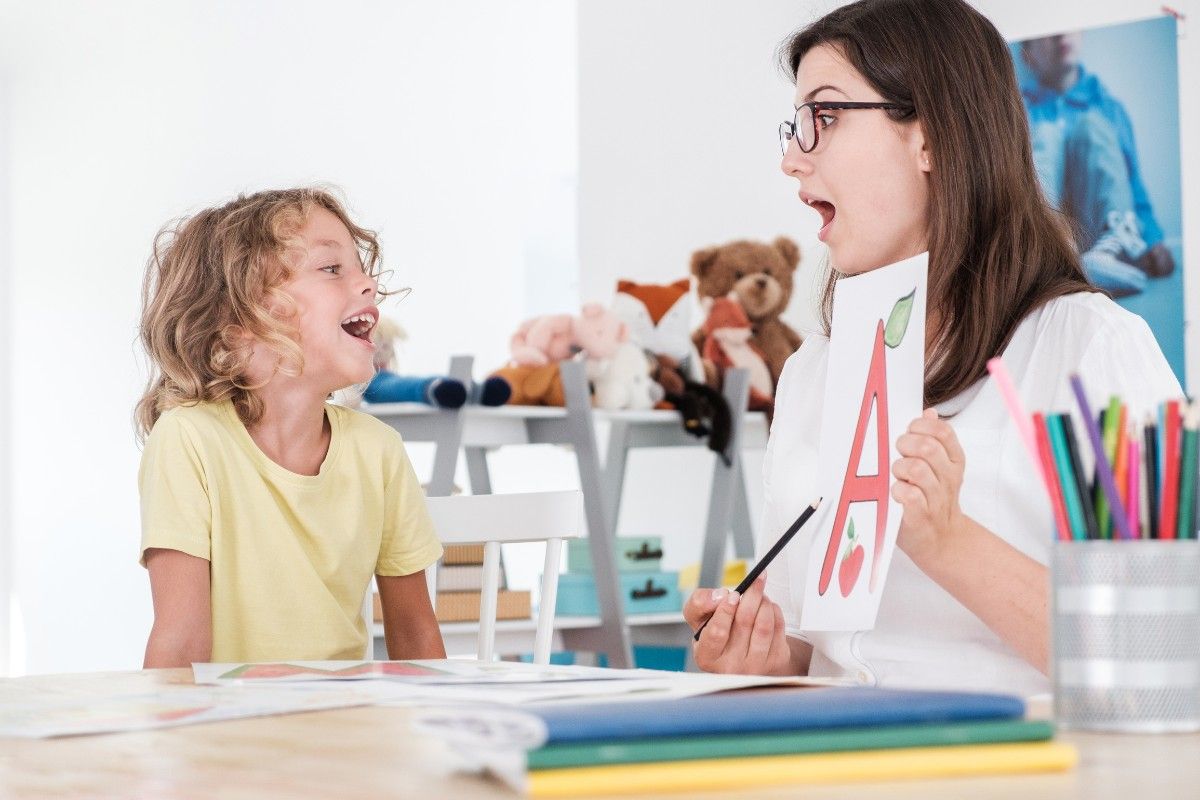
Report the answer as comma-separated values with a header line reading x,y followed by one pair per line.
x,y
761,710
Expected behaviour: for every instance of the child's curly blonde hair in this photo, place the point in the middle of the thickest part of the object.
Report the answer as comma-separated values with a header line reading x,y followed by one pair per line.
x,y
212,278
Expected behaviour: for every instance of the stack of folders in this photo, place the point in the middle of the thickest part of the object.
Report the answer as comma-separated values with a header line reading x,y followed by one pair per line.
x,y
786,736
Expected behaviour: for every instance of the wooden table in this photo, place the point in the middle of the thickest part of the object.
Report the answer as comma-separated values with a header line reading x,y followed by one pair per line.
x,y
370,753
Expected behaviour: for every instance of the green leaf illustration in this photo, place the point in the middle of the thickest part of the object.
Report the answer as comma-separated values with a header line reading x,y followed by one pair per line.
x,y
849,539
897,324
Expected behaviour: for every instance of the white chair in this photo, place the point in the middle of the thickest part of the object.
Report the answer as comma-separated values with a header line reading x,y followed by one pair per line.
x,y
493,519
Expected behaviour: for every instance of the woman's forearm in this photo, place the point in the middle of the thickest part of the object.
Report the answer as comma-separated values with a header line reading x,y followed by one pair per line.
x,y
1002,586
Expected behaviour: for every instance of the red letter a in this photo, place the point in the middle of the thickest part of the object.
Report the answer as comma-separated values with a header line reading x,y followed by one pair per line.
x,y
863,488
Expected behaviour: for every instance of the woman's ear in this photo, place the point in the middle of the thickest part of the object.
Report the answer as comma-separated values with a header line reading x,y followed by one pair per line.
x,y
920,147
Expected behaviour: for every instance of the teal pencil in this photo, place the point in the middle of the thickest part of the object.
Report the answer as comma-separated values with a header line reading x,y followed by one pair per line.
x,y
1066,477
1187,473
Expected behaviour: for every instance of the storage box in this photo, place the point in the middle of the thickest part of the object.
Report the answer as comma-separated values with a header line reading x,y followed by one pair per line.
x,y
462,578
463,554
633,554
643,593
464,606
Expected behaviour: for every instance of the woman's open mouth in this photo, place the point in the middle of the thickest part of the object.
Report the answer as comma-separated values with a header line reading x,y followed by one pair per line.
x,y
823,207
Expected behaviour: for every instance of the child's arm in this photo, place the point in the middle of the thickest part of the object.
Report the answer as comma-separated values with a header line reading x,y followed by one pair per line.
x,y
182,632
409,624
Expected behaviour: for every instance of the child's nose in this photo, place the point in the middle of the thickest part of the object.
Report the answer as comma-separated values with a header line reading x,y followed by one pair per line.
x,y
371,286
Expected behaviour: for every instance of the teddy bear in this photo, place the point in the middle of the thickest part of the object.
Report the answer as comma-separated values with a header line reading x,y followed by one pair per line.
x,y
761,276
727,345
442,391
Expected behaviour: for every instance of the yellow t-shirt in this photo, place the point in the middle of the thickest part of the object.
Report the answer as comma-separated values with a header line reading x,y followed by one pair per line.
x,y
290,555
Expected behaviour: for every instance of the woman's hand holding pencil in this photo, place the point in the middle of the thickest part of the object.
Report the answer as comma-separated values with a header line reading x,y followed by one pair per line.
x,y
743,633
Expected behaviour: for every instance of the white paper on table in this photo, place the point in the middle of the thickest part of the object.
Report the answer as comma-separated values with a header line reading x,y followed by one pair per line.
x,y
170,708
416,672
876,359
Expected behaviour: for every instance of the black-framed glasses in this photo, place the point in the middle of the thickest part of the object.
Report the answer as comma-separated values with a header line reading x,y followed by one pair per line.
x,y
805,130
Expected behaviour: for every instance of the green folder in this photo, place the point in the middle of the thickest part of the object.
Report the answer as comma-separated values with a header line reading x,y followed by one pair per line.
x,y
737,745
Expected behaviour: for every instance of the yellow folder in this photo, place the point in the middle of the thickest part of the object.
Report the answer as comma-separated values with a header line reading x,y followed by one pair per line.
x,y
847,767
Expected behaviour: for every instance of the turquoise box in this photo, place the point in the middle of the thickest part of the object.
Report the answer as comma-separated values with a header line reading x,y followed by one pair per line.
x,y
643,593
633,554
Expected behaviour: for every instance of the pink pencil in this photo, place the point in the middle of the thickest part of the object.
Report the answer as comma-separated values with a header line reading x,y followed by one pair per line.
x,y
1016,410
1134,489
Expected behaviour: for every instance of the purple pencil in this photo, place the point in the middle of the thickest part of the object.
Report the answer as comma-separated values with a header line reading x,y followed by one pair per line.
x,y
1103,468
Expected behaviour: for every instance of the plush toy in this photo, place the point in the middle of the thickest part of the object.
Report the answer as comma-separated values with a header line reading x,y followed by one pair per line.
x,y
597,334
659,320
625,382
436,390
761,276
543,340
727,345
533,386
704,411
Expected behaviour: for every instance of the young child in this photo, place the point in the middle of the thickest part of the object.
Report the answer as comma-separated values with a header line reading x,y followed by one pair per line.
x,y
265,510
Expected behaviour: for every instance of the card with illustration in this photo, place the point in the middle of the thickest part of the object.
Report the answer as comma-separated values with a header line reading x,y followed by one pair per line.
x,y
873,390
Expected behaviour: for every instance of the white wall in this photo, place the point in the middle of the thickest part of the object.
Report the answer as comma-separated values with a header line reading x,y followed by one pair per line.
x,y
450,126
679,104
5,417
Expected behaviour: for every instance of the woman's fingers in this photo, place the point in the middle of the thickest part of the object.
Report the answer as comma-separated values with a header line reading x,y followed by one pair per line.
x,y
701,604
758,654
714,640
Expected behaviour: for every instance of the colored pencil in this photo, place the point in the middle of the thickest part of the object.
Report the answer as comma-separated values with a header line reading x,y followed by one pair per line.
x,y
1074,454
1066,478
1150,435
1016,410
1170,485
1106,477
1112,417
1134,491
1053,487
1120,464
1187,473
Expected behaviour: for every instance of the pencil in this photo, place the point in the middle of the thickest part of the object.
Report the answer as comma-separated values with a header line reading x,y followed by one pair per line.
x,y
1170,483
1012,400
1052,488
1112,416
1134,489
775,550
1105,470
1090,524
1187,473
1120,459
1151,458
1066,477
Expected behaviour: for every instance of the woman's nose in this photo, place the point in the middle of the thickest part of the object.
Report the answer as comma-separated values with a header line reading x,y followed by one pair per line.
x,y
795,162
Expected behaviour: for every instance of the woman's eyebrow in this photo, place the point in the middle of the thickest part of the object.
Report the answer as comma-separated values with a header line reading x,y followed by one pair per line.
x,y
823,87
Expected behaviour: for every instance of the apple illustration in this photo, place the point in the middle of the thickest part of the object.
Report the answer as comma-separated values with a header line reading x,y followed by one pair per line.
x,y
852,561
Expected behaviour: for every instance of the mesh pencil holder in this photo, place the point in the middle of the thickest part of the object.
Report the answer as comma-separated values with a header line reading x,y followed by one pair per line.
x,y
1127,635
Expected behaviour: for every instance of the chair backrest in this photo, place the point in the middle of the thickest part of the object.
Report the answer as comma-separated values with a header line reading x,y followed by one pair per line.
x,y
493,519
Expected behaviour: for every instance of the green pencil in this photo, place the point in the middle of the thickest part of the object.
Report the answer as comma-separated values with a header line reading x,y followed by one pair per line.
x,y
1187,473
1066,477
1112,419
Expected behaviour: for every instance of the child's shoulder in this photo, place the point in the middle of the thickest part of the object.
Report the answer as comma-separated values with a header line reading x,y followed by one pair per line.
x,y
364,429
193,418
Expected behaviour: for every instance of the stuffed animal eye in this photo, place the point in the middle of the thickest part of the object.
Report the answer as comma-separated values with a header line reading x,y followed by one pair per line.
x,y
739,275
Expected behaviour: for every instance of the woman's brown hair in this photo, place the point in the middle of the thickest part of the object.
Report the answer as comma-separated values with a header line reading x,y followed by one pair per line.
x,y
997,250
213,278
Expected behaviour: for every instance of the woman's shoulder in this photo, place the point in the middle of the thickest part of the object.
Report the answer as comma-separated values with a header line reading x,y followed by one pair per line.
x,y
1081,313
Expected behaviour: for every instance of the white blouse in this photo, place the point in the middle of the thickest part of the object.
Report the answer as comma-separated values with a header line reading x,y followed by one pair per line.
x,y
923,637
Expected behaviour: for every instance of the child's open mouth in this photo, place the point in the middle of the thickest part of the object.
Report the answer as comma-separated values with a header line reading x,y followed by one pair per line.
x,y
360,325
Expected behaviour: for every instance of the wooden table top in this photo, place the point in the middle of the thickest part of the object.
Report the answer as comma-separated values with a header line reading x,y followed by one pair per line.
x,y
371,752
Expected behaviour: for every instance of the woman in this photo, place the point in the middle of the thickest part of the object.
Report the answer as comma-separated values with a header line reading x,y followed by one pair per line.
x,y
935,157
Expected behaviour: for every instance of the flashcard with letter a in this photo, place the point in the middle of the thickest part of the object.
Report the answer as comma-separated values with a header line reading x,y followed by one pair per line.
x,y
873,390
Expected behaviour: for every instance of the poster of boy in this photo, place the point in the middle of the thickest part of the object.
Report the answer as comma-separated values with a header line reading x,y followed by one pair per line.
x,y
1103,108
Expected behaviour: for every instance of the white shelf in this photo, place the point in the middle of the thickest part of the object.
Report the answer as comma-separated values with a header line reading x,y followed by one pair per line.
x,y
560,623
